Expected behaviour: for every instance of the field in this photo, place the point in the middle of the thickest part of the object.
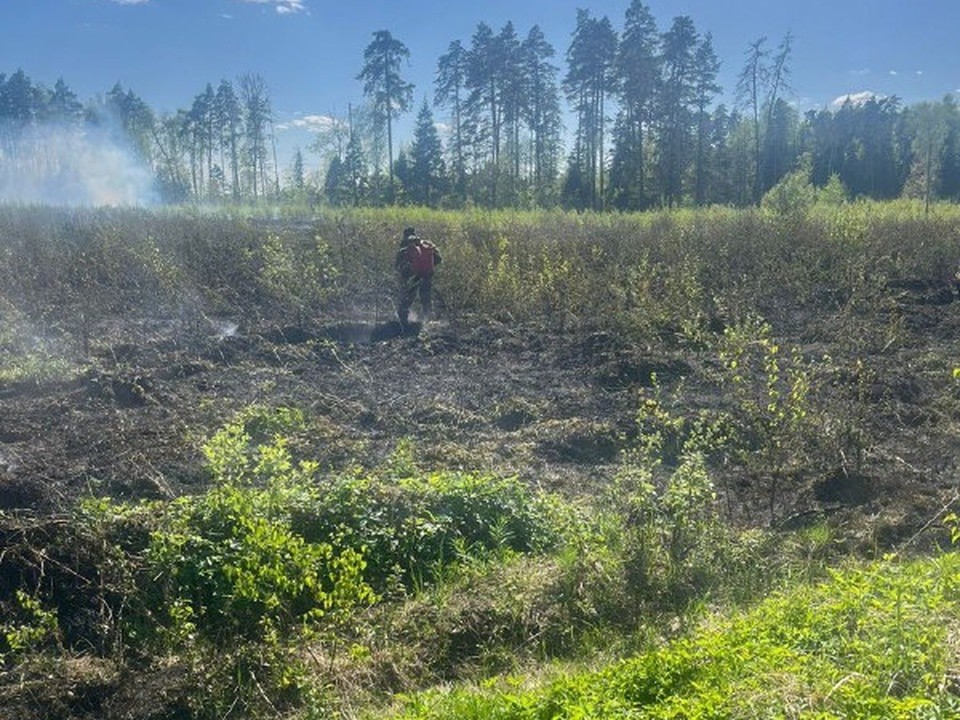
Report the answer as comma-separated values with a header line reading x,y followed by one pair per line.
x,y
231,487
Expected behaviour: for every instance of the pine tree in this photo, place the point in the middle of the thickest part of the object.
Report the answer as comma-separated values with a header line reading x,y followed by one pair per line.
x,y
229,122
390,95
513,98
427,170
541,112
705,87
297,179
257,117
64,105
676,99
450,92
484,109
589,79
637,75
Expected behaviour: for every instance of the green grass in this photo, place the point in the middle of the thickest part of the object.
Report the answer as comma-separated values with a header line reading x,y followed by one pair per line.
x,y
874,641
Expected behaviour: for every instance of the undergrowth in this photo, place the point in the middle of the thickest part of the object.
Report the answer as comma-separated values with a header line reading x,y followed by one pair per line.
x,y
872,641
680,274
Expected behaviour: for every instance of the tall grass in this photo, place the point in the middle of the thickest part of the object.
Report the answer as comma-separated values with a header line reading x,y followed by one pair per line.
x,y
655,272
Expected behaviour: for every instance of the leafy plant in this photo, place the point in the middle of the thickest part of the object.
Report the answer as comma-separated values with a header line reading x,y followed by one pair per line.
x,y
771,389
229,567
26,626
794,193
410,526
666,497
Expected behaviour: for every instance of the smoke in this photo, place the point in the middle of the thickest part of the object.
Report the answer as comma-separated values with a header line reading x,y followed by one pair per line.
x,y
57,165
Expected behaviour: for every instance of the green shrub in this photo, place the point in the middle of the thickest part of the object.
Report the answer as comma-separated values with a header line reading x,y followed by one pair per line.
x,y
25,626
410,528
229,567
794,194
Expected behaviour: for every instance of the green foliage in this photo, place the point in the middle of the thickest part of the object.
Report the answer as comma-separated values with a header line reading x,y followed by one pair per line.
x,y
229,563
952,522
411,525
252,449
228,566
297,272
674,541
26,626
771,389
870,642
794,194
833,193
772,411
269,548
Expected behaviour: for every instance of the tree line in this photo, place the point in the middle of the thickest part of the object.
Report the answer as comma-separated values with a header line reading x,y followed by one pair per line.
x,y
647,130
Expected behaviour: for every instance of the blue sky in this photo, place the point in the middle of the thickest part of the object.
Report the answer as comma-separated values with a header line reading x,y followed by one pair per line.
x,y
310,51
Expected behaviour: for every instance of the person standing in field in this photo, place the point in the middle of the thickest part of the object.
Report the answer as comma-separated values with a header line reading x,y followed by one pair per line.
x,y
416,260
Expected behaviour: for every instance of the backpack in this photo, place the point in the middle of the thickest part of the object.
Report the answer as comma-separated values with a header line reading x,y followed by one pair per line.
x,y
421,259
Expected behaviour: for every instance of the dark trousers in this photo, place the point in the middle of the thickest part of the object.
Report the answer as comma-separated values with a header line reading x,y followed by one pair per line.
x,y
409,288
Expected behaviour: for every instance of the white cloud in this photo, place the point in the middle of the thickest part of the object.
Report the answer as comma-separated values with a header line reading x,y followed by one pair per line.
x,y
857,98
312,123
131,2
892,73
919,73
284,7
860,71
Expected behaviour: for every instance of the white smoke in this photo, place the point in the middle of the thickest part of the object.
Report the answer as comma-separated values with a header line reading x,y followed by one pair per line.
x,y
56,165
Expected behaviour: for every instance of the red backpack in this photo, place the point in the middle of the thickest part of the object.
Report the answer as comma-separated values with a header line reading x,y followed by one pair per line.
x,y
420,255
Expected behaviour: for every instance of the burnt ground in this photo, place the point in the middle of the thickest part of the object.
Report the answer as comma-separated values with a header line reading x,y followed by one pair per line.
x,y
554,406
473,396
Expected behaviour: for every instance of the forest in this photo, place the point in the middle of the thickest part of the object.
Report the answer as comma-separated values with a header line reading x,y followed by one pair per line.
x,y
626,119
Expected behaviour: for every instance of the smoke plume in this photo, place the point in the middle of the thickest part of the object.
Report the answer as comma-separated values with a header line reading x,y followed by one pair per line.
x,y
56,165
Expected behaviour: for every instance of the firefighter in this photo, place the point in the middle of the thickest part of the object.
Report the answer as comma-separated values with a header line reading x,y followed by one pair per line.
x,y
416,260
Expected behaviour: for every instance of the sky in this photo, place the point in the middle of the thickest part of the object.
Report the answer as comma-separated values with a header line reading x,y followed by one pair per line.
x,y
309,52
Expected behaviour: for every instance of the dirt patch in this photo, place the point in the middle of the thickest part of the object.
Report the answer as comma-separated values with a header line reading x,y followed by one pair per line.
x,y
552,405
846,489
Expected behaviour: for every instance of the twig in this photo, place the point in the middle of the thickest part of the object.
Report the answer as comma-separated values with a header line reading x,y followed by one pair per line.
x,y
931,521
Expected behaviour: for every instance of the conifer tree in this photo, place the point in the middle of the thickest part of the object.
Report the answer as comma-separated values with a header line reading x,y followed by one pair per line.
x,y
389,94
426,161
637,75
450,92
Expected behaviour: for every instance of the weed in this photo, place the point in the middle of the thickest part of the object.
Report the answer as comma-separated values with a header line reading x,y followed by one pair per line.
x,y
27,626
771,390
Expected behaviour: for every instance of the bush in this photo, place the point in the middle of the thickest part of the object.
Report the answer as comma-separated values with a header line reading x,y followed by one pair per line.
x,y
794,194
229,568
410,529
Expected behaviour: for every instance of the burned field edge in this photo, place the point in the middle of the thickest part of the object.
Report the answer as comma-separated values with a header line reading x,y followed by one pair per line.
x,y
808,359
545,322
